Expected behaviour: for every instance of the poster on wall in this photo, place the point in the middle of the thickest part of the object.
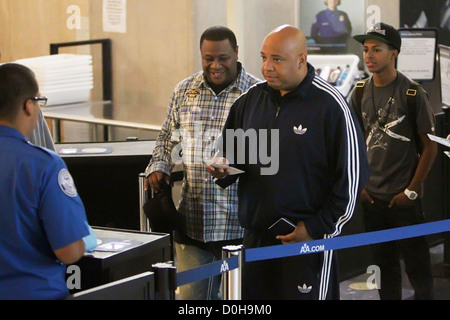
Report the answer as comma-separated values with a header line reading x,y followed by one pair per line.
x,y
427,14
444,57
330,25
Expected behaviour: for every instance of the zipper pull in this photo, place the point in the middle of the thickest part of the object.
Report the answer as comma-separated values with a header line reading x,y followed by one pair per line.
x,y
278,111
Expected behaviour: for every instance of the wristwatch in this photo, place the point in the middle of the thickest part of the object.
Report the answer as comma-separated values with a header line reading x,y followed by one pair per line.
x,y
412,195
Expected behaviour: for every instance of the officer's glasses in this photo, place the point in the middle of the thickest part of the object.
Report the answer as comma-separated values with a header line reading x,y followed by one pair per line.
x,y
41,100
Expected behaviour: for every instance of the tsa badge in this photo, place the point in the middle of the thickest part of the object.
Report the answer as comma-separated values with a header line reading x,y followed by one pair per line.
x,y
66,183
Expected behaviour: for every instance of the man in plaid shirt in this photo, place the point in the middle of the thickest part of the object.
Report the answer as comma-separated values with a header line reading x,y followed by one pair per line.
x,y
196,114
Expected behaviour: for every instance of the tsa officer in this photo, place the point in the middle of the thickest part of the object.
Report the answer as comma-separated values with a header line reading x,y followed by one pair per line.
x,y
43,225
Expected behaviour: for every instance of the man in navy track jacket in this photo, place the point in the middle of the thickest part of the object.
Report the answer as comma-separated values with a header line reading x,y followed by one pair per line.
x,y
304,160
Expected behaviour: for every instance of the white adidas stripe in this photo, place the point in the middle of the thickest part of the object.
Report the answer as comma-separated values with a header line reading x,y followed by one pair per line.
x,y
353,176
353,154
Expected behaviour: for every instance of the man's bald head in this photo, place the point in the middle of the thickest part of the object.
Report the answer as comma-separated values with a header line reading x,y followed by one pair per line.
x,y
284,54
289,36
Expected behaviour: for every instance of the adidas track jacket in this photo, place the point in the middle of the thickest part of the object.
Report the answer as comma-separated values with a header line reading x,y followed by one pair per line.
x,y
309,162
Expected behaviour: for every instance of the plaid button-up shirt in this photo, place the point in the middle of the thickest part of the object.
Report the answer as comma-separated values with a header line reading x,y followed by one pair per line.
x,y
195,118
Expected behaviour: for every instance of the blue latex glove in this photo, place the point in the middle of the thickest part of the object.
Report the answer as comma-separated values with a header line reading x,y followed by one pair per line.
x,y
91,240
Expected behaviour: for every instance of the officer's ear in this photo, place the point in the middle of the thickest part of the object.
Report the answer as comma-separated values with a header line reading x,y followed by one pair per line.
x,y
28,107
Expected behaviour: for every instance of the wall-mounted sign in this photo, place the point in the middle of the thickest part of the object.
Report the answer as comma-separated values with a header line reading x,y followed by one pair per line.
x,y
417,59
115,16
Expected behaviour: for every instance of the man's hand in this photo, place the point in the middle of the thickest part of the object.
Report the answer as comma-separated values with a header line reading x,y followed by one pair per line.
x,y
218,173
400,200
366,198
155,180
300,234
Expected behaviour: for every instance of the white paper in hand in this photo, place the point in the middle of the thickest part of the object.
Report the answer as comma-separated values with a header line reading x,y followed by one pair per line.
x,y
232,170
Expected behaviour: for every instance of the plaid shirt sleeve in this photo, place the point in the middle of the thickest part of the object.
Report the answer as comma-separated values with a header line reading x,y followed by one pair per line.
x,y
161,157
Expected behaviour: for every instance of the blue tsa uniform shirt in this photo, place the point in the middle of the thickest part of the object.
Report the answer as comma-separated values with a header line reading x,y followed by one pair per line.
x,y
331,26
40,212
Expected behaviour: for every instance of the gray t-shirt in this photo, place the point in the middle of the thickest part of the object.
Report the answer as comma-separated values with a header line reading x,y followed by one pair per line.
x,y
390,138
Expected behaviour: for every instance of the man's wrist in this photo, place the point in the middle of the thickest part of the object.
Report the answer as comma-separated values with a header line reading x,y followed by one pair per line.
x,y
411,194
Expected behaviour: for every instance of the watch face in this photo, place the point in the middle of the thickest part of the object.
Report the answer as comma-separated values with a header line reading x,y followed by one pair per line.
x,y
412,195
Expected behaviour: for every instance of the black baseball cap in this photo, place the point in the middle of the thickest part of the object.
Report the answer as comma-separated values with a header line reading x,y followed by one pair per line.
x,y
383,32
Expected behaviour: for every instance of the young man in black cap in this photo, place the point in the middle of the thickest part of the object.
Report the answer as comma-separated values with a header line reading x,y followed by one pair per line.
x,y
396,116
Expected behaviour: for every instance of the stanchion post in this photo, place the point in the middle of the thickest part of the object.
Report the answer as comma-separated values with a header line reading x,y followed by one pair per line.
x,y
165,280
232,280
144,224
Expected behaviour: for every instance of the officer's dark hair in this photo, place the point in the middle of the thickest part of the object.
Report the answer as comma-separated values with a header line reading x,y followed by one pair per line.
x,y
17,84
219,33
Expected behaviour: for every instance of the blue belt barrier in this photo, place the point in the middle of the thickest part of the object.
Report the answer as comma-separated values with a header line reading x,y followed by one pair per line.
x,y
315,246
206,271
345,242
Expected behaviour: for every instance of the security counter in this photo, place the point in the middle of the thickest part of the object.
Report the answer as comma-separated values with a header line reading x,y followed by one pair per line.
x,y
121,254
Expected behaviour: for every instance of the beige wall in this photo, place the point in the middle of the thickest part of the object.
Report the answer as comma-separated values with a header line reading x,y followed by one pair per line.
x,y
151,58
148,61
160,47
29,26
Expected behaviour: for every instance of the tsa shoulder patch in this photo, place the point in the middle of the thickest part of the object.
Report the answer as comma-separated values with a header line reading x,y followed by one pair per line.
x,y
66,183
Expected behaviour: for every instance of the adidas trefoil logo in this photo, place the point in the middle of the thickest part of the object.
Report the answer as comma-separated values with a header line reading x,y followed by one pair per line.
x,y
304,289
300,130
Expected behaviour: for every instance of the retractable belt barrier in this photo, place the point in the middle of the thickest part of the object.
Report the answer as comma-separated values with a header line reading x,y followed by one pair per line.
x,y
315,246
206,271
234,263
